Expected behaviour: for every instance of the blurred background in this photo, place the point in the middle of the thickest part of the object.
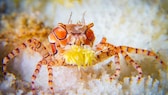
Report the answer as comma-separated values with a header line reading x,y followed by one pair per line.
x,y
136,23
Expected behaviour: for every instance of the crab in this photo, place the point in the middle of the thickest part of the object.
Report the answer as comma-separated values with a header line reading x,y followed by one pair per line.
x,y
72,44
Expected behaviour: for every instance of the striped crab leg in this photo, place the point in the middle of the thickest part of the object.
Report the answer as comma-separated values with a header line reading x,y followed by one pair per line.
x,y
38,47
110,50
142,51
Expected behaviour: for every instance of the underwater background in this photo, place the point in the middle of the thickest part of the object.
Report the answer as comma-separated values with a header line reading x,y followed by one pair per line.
x,y
135,23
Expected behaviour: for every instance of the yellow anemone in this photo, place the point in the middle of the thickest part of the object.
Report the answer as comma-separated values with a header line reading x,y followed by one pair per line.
x,y
79,56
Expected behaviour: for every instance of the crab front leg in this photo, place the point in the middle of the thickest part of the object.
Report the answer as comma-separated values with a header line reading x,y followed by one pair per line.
x,y
117,71
50,75
108,50
47,61
36,72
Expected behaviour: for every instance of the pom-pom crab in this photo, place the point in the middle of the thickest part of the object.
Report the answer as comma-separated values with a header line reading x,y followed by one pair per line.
x,y
72,44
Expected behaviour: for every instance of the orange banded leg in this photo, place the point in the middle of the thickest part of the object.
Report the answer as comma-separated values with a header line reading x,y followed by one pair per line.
x,y
34,45
135,65
11,55
31,43
50,76
117,71
36,72
142,51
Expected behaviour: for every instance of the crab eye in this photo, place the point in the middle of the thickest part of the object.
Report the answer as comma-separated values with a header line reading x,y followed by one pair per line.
x,y
60,33
90,35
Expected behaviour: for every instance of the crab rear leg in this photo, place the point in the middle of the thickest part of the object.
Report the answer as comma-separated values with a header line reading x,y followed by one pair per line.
x,y
33,44
38,47
142,51
114,51
133,63
11,55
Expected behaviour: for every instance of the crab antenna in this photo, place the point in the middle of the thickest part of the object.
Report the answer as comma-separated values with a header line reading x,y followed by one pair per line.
x,y
83,18
69,20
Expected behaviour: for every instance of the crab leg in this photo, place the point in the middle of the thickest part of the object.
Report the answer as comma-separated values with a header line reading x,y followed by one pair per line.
x,y
142,51
110,50
135,65
11,55
34,45
50,77
36,72
117,62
